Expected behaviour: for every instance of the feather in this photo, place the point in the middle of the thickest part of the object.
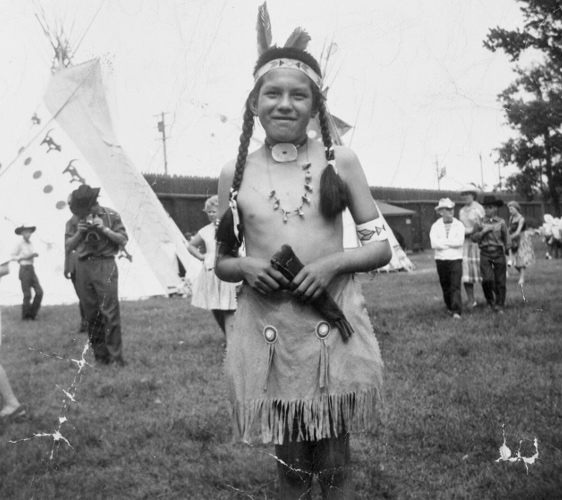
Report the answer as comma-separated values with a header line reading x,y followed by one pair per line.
x,y
299,39
263,27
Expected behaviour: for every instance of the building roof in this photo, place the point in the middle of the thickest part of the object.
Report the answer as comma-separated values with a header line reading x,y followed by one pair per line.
x,y
392,210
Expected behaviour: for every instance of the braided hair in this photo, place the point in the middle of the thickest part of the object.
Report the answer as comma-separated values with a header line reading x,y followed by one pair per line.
x,y
333,193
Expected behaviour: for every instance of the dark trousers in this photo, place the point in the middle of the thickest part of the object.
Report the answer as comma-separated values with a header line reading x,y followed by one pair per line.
x,y
30,282
493,268
96,282
80,306
450,274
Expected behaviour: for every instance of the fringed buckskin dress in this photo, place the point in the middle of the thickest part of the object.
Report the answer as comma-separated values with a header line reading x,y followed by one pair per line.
x,y
289,369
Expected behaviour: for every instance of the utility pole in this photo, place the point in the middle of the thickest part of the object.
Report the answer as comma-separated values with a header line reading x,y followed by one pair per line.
x,y
441,172
481,170
162,128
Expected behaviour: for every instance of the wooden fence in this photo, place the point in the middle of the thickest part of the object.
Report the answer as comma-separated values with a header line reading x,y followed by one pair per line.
x,y
184,199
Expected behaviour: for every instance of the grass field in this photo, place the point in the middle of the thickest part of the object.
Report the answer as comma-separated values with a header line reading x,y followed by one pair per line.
x,y
159,428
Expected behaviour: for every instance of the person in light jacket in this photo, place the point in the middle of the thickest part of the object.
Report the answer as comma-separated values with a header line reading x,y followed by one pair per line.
x,y
447,238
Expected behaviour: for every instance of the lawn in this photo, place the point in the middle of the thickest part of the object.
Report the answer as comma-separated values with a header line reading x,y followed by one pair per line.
x,y
159,428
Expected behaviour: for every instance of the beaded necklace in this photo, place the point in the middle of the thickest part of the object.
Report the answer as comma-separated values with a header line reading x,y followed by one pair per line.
x,y
305,198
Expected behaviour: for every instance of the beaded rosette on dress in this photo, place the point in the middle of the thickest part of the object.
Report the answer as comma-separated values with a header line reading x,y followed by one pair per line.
x,y
288,368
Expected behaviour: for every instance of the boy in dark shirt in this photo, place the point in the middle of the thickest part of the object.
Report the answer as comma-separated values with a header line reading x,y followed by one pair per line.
x,y
492,237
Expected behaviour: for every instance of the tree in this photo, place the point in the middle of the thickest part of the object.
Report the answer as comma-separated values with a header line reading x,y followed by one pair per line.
x,y
533,107
533,103
543,32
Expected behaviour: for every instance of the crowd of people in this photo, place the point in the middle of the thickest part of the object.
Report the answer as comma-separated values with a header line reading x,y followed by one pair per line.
x,y
479,247
551,231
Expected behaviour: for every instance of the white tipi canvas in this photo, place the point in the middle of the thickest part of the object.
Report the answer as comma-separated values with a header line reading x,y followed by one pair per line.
x,y
71,142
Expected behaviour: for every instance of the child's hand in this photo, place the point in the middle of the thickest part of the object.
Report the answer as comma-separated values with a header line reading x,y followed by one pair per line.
x,y
261,276
313,279
82,226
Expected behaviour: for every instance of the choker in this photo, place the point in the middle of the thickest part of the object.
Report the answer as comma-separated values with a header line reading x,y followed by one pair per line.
x,y
284,152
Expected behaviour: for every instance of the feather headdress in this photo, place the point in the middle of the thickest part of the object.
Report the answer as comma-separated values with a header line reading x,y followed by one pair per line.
x,y
298,39
263,27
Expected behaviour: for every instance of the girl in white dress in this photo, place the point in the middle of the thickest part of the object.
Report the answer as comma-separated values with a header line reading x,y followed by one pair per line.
x,y
208,291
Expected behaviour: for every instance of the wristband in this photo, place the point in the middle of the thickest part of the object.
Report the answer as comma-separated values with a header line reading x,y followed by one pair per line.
x,y
371,231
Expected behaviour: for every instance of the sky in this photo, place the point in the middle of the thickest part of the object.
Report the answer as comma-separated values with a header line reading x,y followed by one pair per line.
x,y
411,76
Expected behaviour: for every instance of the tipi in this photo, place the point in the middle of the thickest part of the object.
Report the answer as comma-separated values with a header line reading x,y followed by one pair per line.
x,y
71,141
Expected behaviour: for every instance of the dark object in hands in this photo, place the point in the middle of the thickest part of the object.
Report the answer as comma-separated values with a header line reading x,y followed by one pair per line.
x,y
515,244
287,263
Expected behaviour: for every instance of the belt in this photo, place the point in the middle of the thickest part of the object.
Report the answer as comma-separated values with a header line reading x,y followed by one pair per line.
x,y
491,248
96,257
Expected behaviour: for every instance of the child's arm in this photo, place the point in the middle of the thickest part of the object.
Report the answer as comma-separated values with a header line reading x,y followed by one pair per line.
x,y
20,254
193,247
454,240
437,243
479,231
519,228
258,273
456,236
314,278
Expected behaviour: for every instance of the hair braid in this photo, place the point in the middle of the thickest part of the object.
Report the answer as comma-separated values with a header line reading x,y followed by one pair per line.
x,y
333,192
225,231
247,132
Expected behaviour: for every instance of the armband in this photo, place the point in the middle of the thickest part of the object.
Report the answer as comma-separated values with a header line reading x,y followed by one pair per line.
x,y
371,231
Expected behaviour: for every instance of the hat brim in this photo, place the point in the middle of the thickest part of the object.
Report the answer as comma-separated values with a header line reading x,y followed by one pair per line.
x,y
21,229
83,205
438,209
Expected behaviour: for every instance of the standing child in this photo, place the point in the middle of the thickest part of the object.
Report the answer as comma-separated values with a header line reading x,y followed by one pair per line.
x,y
521,250
447,238
292,374
493,240
25,253
208,291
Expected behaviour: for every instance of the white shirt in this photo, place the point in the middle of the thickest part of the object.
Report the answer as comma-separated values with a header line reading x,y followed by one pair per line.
x,y
24,251
447,247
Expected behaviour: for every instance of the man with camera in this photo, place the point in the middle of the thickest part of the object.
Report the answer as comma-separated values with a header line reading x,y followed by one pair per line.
x,y
96,234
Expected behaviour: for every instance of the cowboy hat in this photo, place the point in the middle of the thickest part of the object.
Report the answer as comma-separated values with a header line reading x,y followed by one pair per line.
x,y
23,228
83,199
469,189
490,199
445,203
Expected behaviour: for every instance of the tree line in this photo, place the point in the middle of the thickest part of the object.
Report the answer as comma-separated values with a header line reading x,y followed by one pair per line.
x,y
533,102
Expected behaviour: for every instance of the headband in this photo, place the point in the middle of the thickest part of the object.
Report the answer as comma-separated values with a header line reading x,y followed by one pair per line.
x,y
289,64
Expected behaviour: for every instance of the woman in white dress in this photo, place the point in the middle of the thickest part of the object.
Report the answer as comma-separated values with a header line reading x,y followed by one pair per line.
x,y
470,214
208,291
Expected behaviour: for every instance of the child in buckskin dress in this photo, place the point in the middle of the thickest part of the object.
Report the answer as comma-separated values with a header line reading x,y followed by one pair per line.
x,y
294,377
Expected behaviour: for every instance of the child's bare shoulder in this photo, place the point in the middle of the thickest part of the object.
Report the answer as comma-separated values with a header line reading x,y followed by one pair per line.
x,y
228,168
347,162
